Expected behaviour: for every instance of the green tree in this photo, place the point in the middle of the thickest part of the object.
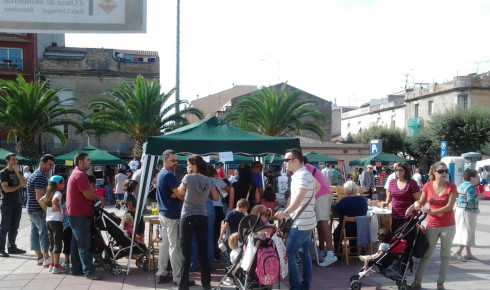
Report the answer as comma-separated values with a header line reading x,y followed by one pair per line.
x,y
139,111
274,112
29,109
464,130
393,138
422,148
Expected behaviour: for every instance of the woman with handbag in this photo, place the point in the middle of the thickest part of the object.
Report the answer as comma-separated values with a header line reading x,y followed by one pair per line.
x,y
244,187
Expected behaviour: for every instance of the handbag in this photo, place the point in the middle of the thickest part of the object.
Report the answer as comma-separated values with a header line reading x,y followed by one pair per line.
x,y
286,224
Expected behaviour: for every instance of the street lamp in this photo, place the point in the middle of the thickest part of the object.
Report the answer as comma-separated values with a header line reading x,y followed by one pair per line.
x,y
86,122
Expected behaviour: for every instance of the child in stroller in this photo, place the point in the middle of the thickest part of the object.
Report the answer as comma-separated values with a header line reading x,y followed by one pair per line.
x,y
384,237
409,241
257,259
119,243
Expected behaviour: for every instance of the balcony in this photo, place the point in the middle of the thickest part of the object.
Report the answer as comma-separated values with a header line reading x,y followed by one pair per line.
x,y
11,64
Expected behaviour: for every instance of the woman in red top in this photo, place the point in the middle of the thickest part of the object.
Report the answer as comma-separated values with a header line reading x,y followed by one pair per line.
x,y
441,196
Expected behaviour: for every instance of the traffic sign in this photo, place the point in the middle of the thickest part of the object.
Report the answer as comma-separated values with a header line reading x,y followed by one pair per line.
x,y
443,148
375,146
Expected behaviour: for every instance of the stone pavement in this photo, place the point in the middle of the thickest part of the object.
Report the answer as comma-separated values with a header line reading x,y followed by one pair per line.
x,y
22,272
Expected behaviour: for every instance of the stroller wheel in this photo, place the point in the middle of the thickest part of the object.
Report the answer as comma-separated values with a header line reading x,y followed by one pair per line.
x,y
116,269
355,285
403,285
107,264
139,262
354,277
146,265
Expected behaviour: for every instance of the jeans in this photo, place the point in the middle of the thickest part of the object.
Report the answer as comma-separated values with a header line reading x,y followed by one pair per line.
x,y
109,194
170,248
446,234
81,258
211,213
39,232
189,225
11,214
299,241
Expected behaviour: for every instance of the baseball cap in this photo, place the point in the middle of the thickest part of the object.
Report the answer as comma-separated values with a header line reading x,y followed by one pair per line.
x,y
56,178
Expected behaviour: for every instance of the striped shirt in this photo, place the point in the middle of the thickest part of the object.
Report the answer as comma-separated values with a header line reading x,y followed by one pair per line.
x,y
303,179
468,199
38,180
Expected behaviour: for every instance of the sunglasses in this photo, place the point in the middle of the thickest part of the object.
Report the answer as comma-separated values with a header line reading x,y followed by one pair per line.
x,y
173,160
442,171
288,159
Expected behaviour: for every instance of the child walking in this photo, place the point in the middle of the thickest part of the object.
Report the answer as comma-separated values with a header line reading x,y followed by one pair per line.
x,y
384,236
54,221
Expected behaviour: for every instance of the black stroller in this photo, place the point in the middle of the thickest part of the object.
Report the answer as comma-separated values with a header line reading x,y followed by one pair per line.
x,y
408,241
251,228
118,245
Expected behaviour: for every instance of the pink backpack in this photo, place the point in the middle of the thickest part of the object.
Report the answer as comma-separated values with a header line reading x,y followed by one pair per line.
x,y
268,266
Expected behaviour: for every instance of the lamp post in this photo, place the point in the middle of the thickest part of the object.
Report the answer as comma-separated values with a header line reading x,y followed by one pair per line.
x,y
85,122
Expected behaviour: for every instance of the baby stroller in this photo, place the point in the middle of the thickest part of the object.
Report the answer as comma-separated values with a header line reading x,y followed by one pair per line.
x,y
258,254
408,241
119,243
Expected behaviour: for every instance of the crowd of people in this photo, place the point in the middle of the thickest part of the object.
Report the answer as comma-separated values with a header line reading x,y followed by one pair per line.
x,y
200,212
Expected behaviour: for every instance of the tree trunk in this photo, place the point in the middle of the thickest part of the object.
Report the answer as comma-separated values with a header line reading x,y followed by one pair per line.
x,y
138,149
26,147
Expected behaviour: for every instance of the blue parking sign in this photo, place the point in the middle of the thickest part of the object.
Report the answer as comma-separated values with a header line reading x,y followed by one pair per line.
x,y
443,148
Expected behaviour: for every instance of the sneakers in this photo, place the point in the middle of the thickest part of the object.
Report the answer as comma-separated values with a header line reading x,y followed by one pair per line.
x,y
51,267
458,256
46,263
415,285
363,258
94,276
40,261
164,279
66,265
15,250
470,257
228,282
96,263
3,254
59,270
328,261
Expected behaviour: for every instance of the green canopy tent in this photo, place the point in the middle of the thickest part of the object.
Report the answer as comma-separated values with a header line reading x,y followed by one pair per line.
x,y
22,160
97,156
382,157
315,158
206,137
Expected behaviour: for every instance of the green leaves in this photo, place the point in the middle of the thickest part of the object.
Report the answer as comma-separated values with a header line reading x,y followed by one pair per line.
x,y
29,109
139,110
274,112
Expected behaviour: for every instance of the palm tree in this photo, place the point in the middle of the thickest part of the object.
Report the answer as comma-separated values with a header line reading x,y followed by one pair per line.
x,y
276,113
138,111
29,109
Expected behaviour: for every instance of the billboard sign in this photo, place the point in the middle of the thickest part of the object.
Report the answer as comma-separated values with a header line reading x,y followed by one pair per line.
x,y
69,16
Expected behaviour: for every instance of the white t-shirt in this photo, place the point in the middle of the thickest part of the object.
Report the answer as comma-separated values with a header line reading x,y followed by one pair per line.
x,y
56,216
303,179
119,180
327,172
418,178
388,180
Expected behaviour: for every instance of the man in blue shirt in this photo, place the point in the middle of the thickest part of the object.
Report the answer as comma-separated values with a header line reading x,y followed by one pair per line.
x,y
256,169
169,206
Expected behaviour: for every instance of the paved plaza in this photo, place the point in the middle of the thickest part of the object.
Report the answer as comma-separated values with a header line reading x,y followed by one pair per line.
x,y
22,272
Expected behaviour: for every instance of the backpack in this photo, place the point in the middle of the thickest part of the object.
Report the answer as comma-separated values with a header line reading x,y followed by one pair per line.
x,y
268,266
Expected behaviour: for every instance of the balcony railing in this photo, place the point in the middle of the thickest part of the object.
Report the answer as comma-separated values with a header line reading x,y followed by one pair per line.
x,y
11,64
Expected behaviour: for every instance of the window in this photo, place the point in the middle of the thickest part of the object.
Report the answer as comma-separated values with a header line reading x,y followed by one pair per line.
x,y
431,108
11,58
65,96
416,110
463,101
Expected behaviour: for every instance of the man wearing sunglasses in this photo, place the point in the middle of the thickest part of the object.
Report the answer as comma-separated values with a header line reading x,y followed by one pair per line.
x,y
170,207
303,188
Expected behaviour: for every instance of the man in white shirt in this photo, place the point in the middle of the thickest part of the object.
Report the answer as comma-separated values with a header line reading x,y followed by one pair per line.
x,y
327,172
391,176
119,181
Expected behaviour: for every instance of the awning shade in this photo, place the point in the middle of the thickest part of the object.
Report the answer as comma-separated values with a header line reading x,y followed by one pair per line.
x,y
97,156
22,160
382,157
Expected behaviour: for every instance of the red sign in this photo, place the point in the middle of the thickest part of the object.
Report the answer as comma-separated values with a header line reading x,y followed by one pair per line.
x,y
340,163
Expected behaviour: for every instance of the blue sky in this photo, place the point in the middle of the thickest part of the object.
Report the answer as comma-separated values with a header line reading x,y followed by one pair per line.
x,y
351,51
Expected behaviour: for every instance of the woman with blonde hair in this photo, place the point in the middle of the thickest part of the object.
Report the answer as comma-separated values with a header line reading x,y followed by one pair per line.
x,y
441,195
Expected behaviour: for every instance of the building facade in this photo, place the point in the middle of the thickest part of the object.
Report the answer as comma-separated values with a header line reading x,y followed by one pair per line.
x,y
84,73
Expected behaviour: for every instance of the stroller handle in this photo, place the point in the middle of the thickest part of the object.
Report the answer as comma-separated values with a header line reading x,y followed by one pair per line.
x,y
421,216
